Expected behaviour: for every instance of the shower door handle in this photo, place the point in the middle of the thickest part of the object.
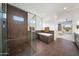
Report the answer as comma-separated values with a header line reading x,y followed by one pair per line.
x,y
3,23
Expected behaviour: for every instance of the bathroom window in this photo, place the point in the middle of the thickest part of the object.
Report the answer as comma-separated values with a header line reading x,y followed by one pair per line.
x,y
32,22
18,18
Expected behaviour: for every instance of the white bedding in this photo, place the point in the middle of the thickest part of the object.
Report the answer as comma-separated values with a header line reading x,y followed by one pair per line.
x,y
45,34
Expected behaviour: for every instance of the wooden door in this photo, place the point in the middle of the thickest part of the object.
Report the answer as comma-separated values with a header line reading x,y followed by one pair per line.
x,y
17,30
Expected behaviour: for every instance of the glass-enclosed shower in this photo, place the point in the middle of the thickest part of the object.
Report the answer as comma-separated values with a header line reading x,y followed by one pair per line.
x,y
4,33
32,32
34,23
3,30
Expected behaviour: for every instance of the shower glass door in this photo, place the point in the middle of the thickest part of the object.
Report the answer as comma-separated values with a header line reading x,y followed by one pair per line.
x,y
32,32
0,29
3,31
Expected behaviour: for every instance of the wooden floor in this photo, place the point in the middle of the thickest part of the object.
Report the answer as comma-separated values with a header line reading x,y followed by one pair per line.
x,y
60,47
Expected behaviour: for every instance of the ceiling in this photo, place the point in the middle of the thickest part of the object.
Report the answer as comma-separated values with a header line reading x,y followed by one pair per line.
x,y
45,9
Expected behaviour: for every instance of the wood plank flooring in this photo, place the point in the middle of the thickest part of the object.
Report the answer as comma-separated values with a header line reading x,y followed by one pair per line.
x,y
60,47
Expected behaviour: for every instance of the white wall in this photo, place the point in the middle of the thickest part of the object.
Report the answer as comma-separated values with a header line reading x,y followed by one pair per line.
x,y
47,22
39,23
29,17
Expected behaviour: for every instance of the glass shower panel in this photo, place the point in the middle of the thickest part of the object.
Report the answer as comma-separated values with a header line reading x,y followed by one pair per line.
x,y
39,23
0,7
0,33
3,47
32,32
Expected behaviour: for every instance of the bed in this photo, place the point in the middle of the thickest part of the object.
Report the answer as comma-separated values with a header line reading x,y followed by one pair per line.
x,y
46,37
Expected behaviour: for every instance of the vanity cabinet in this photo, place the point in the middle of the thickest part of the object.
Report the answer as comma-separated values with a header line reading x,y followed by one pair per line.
x,y
77,39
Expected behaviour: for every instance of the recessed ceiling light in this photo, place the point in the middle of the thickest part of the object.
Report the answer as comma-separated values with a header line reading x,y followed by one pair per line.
x,y
65,8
